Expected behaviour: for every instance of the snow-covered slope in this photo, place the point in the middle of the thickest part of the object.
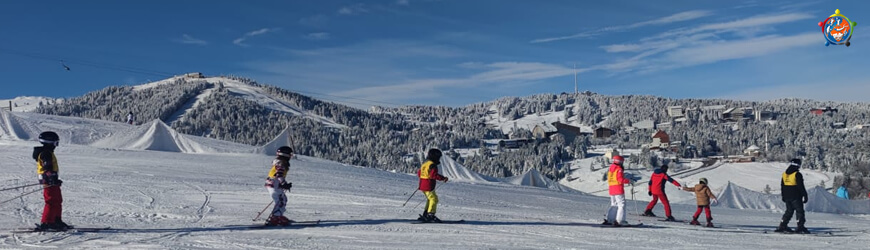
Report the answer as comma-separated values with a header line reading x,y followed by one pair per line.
x,y
819,200
26,103
457,172
534,178
239,89
157,136
167,200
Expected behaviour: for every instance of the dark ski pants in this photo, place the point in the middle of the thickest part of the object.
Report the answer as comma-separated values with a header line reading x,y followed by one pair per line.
x,y
706,209
792,207
52,209
664,198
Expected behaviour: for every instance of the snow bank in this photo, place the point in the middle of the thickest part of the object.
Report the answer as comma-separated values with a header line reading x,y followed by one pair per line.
x,y
456,171
271,147
820,200
157,136
535,179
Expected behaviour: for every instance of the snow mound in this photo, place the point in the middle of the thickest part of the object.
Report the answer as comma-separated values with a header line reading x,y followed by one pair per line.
x,y
10,127
271,147
820,200
535,179
456,171
157,136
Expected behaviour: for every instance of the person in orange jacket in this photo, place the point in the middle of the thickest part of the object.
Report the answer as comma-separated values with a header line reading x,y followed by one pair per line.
x,y
616,181
428,174
657,191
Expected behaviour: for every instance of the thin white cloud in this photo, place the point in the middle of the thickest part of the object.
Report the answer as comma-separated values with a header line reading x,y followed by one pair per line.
x,y
353,9
317,36
704,44
403,2
678,17
187,39
240,41
493,73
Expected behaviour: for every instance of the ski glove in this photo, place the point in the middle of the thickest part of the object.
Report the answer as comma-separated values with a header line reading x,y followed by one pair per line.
x,y
50,178
715,202
806,199
649,193
445,178
287,185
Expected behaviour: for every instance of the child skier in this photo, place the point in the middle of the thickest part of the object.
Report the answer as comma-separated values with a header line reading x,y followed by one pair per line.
x,y
703,196
616,181
657,191
428,174
276,184
47,168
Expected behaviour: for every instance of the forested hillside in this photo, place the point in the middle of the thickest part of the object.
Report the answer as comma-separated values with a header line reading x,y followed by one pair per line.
x,y
391,138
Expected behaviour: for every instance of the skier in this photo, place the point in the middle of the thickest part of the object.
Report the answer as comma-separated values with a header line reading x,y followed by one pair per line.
x,y
276,184
794,195
616,182
842,192
703,196
657,191
130,118
47,168
428,174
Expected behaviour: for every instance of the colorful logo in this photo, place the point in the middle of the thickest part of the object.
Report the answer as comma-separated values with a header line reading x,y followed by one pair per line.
x,y
837,29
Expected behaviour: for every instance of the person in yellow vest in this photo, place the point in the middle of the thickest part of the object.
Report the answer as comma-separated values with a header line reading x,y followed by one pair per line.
x,y
428,174
616,181
276,183
794,194
47,169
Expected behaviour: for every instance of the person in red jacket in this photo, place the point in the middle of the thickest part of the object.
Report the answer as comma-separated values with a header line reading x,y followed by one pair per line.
x,y
657,191
616,181
428,174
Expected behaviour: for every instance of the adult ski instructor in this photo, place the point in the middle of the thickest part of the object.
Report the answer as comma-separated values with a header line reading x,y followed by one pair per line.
x,y
794,194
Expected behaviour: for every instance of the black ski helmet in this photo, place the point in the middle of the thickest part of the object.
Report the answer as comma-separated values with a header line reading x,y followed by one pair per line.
x,y
434,155
285,151
795,162
49,137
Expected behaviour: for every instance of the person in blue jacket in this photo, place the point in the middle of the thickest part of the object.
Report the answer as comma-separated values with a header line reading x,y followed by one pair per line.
x,y
842,192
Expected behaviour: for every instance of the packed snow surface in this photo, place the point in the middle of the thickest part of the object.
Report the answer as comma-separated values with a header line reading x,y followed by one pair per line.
x,y
207,200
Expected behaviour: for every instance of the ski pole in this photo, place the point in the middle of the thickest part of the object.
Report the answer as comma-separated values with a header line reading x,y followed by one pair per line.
x,y
22,195
635,201
11,188
264,210
409,197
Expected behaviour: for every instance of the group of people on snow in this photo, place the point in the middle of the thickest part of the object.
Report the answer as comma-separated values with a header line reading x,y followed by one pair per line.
x,y
794,193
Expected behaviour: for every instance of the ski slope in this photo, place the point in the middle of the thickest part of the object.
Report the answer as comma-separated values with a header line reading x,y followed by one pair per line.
x,y
206,200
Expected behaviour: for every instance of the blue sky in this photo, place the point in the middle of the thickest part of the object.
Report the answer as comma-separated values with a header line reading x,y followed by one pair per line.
x,y
440,52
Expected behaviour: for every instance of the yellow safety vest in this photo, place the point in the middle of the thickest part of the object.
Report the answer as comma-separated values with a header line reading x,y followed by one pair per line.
x,y
612,178
40,169
424,170
789,179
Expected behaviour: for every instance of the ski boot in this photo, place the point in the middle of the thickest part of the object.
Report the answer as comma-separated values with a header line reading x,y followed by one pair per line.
x,y
432,218
670,218
649,213
422,218
802,230
783,228
42,227
605,222
695,221
709,222
278,221
59,225
616,224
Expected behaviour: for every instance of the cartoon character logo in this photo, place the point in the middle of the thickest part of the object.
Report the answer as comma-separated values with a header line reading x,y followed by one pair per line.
x,y
837,29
